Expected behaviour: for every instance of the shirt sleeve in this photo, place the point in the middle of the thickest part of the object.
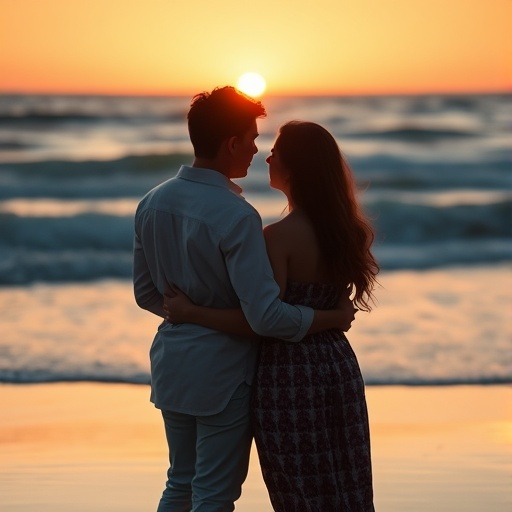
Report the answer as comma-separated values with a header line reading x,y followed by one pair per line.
x,y
253,281
146,293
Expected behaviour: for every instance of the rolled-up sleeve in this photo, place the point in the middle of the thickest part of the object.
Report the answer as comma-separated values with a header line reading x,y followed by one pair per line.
x,y
253,281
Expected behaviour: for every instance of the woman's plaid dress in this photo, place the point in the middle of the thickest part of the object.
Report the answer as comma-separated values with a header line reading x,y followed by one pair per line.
x,y
310,418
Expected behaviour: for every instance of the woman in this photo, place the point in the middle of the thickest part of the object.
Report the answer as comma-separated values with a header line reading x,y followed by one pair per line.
x,y
310,417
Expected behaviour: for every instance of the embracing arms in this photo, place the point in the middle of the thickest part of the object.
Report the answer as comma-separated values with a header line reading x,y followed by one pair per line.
x,y
180,309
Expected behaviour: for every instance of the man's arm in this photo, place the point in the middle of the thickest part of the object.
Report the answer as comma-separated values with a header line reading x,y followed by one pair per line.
x,y
252,279
146,294
262,311
180,309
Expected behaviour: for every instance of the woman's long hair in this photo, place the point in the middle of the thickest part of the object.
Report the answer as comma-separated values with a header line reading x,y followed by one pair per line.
x,y
322,186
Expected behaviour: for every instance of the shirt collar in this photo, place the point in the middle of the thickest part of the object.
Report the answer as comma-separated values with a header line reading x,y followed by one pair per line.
x,y
209,177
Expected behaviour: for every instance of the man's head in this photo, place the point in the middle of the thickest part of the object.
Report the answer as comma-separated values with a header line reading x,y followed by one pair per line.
x,y
219,119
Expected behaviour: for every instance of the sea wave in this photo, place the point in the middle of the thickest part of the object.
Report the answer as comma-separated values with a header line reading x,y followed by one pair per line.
x,y
26,266
433,174
412,223
414,133
98,374
130,176
93,245
22,267
102,373
23,108
134,175
394,223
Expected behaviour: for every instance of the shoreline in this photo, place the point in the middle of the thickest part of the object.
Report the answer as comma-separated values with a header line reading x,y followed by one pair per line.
x,y
93,446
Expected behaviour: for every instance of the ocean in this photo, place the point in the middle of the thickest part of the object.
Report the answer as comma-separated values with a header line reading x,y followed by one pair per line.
x,y
434,174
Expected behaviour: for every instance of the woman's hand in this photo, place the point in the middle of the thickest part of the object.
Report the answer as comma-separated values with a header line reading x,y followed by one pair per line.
x,y
346,309
178,307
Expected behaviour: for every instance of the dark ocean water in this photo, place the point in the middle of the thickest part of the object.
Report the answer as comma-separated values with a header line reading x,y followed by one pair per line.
x,y
434,173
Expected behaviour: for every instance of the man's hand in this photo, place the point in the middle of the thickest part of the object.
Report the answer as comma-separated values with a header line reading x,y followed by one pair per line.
x,y
346,309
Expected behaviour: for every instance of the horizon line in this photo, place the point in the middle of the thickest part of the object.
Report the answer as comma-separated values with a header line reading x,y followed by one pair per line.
x,y
479,92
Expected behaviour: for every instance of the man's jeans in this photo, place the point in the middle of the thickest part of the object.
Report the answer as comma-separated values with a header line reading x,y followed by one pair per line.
x,y
209,457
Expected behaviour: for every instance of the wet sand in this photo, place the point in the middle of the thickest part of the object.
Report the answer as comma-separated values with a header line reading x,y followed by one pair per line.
x,y
87,446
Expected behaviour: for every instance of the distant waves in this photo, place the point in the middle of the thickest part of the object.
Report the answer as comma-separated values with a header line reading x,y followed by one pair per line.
x,y
434,174
95,244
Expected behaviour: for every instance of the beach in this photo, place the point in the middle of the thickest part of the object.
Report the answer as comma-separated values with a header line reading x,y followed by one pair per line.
x,y
78,432
81,446
90,446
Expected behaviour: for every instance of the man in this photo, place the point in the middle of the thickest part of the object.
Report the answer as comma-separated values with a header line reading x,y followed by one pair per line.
x,y
195,231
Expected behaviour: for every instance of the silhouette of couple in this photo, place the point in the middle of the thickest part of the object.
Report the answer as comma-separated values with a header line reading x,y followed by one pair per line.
x,y
252,343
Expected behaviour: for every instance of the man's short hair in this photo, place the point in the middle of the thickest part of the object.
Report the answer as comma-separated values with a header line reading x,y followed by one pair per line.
x,y
217,116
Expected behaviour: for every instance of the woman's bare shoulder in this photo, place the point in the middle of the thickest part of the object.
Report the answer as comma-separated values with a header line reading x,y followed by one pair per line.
x,y
293,238
276,233
292,228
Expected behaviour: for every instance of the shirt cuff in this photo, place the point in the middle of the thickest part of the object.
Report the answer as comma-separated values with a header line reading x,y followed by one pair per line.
x,y
307,315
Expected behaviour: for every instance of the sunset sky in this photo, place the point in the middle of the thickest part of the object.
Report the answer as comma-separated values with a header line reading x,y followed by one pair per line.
x,y
299,46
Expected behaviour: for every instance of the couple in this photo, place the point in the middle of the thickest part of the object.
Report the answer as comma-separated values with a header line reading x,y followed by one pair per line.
x,y
289,284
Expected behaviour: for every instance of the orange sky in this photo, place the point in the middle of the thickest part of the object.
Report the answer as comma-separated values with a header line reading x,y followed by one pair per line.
x,y
299,46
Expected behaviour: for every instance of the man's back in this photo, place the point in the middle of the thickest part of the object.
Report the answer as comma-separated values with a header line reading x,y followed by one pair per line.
x,y
191,223
197,233
187,228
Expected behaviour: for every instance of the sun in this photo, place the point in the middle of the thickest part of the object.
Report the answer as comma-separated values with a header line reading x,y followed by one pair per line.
x,y
252,84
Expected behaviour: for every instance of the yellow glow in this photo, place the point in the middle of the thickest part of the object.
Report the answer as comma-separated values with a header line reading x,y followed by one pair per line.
x,y
252,84
327,47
